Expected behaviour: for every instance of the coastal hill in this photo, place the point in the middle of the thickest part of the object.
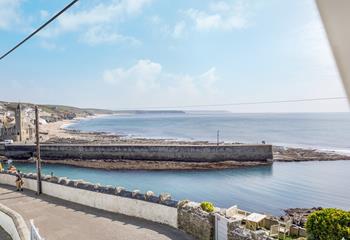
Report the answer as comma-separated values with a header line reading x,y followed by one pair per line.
x,y
53,113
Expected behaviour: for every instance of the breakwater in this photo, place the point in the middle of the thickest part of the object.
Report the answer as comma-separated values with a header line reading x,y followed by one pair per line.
x,y
181,153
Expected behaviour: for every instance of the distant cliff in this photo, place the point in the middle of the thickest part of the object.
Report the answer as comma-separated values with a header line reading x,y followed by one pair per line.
x,y
50,113
53,113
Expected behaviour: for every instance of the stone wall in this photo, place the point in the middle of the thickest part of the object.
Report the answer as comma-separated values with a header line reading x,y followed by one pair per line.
x,y
195,222
185,215
189,153
148,206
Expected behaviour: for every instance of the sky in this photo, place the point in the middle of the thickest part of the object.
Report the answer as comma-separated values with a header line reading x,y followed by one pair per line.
x,y
136,54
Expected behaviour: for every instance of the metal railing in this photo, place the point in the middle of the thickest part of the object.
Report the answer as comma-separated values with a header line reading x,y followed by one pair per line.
x,y
34,232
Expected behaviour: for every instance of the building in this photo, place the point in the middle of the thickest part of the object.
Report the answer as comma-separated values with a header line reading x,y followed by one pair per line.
x,y
20,130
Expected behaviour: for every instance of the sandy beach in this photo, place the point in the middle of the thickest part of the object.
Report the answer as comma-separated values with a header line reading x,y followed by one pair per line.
x,y
57,129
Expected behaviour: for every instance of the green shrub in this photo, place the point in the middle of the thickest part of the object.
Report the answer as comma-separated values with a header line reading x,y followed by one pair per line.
x,y
207,206
328,224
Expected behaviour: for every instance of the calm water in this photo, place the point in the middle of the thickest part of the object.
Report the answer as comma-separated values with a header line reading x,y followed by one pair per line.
x,y
263,189
316,130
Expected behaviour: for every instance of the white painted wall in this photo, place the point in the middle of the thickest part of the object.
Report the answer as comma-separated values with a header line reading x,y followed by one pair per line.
x,y
112,203
8,225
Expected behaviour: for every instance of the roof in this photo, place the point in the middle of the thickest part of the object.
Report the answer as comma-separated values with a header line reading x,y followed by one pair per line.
x,y
255,217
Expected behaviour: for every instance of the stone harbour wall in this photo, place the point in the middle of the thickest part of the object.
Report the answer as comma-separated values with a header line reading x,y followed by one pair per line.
x,y
184,153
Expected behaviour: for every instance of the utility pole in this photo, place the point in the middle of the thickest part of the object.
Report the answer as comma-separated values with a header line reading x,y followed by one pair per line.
x,y
38,160
218,137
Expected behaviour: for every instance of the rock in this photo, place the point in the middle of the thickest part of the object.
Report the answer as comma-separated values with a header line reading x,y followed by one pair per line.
x,y
53,179
43,177
164,197
170,203
299,215
85,185
135,192
153,199
63,180
31,176
71,183
110,189
240,233
125,193
149,194
99,188
119,189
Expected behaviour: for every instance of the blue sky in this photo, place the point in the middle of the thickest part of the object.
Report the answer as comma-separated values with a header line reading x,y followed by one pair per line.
x,y
139,53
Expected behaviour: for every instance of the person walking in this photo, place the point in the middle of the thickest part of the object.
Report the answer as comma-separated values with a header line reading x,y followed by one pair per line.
x,y
19,181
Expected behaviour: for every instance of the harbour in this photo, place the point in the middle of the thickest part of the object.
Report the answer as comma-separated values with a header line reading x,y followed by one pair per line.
x,y
286,185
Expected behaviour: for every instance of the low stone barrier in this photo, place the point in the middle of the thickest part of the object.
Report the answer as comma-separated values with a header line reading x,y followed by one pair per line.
x,y
185,215
160,208
13,224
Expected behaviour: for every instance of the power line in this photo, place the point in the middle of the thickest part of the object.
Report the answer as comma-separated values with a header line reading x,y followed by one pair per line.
x,y
248,103
40,28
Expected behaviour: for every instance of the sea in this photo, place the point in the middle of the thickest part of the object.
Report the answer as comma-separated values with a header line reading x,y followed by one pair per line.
x,y
264,189
324,131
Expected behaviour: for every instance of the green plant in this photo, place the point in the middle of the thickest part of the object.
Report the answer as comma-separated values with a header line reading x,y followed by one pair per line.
x,y
328,224
286,238
207,206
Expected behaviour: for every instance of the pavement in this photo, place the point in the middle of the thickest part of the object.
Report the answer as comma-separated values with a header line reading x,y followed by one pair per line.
x,y
62,220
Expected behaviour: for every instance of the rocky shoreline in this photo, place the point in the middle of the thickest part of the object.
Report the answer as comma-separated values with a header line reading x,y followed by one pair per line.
x,y
287,154
299,215
152,165
56,132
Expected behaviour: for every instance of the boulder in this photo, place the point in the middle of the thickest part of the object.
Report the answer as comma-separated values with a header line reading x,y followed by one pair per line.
x,y
164,197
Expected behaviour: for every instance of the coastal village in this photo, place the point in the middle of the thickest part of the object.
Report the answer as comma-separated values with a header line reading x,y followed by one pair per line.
x,y
17,125
17,120
62,180
198,220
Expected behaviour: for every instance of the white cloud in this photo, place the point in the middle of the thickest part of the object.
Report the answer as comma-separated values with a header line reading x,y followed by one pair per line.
x,y
99,18
48,45
179,29
101,14
147,83
9,13
156,19
219,16
44,14
143,75
99,34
